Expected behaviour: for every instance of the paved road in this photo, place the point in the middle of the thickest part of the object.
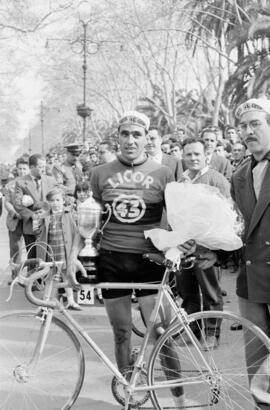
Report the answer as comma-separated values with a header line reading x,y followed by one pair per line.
x,y
96,393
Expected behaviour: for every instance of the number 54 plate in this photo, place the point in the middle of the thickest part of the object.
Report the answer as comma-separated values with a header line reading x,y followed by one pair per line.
x,y
86,295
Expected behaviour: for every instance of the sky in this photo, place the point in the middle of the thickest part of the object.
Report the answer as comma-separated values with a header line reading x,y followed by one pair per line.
x,y
23,87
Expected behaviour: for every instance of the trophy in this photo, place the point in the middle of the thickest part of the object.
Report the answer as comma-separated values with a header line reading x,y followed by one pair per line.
x,y
89,219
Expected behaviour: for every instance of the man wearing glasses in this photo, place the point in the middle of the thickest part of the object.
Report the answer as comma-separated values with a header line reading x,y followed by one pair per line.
x,y
251,192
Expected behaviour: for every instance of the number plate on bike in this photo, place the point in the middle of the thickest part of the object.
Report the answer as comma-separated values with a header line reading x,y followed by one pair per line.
x,y
86,295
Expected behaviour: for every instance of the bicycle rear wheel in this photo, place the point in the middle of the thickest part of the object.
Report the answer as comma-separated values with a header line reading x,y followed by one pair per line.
x,y
175,359
55,380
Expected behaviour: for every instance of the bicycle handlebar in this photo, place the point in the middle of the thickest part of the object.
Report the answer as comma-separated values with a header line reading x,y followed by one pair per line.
x,y
28,287
27,279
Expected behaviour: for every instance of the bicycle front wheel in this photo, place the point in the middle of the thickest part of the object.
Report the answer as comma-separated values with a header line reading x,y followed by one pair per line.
x,y
204,374
51,380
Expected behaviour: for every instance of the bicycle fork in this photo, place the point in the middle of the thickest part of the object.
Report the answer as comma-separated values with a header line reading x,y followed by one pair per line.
x,y
44,315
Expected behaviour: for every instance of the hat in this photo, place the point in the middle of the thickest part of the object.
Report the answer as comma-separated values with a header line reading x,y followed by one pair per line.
x,y
254,104
74,148
135,118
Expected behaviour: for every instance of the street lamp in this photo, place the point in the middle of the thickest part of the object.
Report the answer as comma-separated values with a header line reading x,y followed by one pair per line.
x,y
87,47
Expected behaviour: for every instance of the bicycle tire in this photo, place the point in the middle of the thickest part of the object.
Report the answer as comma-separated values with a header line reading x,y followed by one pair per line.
x,y
56,379
228,386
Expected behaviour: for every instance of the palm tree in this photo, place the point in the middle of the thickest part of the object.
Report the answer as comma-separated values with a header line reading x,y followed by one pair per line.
x,y
238,31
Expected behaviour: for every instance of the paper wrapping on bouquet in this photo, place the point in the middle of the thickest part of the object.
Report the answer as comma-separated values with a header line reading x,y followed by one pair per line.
x,y
199,212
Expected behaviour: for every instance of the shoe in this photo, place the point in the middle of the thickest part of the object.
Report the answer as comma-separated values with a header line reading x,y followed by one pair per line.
x,y
224,292
73,306
210,343
236,326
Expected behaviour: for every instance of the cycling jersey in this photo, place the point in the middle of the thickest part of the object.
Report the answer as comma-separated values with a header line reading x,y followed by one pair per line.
x,y
135,193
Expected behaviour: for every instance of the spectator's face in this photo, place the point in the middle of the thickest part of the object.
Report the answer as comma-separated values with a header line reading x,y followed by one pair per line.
x,y
132,141
39,169
83,195
220,151
56,203
94,158
72,157
238,151
166,148
84,157
231,135
210,140
22,170
105,155
255,132
60,158
194,156
153,143
176,151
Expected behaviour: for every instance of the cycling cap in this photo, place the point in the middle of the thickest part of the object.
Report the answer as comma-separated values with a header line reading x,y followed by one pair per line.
x,y
254,104
135,118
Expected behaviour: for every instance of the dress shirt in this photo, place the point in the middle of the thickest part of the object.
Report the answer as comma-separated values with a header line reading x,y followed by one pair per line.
x,y
258,172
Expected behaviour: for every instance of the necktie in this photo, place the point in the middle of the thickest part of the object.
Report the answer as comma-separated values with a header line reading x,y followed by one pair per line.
x,y
38,187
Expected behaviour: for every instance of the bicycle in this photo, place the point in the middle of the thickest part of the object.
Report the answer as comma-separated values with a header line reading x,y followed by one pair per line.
x,y
47,354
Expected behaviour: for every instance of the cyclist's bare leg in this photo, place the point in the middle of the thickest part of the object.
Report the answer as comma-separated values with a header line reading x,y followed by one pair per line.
x,y
119,313
171,360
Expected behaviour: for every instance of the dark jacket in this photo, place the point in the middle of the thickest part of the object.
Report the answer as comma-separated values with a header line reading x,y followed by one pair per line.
x,y
254,279
26,186
174,164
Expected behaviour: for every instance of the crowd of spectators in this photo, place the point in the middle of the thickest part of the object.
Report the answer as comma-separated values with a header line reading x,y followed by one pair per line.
x,y
41,187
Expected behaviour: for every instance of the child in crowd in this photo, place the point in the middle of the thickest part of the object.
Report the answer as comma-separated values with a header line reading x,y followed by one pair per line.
x,y
59,231
81,193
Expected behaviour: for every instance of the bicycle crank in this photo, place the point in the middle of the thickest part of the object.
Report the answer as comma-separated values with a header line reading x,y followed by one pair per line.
x,y
118,389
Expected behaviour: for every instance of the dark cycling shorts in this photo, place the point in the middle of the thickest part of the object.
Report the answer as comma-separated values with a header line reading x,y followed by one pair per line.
x,y
127,267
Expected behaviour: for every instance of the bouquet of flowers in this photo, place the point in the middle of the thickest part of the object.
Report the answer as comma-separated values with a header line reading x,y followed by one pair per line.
x,y
199,212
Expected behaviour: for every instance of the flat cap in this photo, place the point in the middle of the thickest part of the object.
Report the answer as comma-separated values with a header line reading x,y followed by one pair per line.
x,y
135,118
253,104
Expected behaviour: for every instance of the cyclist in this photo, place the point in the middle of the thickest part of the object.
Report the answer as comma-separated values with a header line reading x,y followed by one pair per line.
x,y
133,185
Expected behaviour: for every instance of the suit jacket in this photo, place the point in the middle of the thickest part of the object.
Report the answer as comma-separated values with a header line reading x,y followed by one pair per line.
x,y
174,164
254,279
12,220
26,186
222,165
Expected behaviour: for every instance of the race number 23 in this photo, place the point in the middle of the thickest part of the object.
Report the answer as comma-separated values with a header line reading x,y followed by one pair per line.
x,y
128,208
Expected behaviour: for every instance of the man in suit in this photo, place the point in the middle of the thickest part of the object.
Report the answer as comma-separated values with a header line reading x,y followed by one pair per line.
x,y
14,220
153,150
217,162
251,192
30,199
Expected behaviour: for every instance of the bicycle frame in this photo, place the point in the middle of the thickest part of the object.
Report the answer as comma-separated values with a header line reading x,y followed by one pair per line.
x,y
163,294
